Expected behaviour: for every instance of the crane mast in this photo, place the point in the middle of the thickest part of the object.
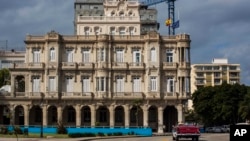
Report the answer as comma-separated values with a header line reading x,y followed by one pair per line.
x,y
171,12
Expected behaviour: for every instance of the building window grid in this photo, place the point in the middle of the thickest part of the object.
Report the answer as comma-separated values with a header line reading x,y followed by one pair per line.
x,y
52,84
86,55
153,55
36,84
119,55
85,84
169,55
136,84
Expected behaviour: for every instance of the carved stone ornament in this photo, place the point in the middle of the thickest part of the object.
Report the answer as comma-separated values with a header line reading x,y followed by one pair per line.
x,y
52,33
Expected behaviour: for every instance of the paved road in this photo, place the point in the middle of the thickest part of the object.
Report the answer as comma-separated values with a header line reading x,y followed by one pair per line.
x,y
204,137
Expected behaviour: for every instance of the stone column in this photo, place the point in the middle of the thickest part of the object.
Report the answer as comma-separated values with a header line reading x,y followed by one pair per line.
x,y
127,115
26,115
93,115
59,114
160,120
180,113
111,116
12,114
78,115
145,115
12,85
45,115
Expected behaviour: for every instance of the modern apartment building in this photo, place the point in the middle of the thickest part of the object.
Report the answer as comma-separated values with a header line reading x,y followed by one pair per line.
x,y
109,73
214,73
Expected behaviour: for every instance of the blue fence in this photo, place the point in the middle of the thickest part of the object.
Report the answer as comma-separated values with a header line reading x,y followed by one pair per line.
x,y
142,131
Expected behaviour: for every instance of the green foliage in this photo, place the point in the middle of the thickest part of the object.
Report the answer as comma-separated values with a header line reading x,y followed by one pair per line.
x,y
244,110
4,130
18,130
220,104
4,77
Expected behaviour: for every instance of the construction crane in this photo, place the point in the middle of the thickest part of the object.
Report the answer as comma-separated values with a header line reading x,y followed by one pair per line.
x,y
170,22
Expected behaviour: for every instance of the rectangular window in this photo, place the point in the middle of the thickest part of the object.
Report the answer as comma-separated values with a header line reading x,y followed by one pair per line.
x,y
86,56
85,84
153,83
36,55
119,84
101,55
112,31
169,55
69,54
101,84
52,84
36,84
187,84
69,84
119,55
170,85
136,84
136,56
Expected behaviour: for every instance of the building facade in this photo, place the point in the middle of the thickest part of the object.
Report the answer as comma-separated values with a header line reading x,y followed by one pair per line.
x,y
102,79
212,74
7,58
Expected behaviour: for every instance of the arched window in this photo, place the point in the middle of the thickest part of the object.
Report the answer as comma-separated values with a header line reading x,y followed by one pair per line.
x,y
153,55
52,56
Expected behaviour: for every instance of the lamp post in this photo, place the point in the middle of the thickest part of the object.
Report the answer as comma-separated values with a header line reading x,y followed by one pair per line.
x,y
41,105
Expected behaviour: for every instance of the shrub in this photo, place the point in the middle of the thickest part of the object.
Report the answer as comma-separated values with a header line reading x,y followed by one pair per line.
x,y
4,130
100,134
17,130
77,135
61,129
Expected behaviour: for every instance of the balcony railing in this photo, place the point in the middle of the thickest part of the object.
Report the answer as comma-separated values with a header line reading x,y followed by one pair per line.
x,y
68,65
119,65
85,66
108,19
169,65
136,66
36,65
77,95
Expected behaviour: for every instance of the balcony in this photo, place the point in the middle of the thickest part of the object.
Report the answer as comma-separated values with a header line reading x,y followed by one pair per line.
x,y
119,66
107,19
77,95
153,95
126,95
19,66
169,66
136,66
36,66
68,65
85,66
102,65
184,65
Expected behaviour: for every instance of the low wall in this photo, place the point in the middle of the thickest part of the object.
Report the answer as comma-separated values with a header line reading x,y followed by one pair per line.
x,y
142,131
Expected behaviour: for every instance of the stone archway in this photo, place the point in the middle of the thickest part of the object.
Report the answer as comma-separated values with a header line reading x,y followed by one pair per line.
x,y
86,116
35,116
69,116
170,118
136,116
4,115
119,116
153,118
19,115
52,115
19,85
102,116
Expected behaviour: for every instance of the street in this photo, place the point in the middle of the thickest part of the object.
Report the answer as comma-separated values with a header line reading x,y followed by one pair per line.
x,y
204,137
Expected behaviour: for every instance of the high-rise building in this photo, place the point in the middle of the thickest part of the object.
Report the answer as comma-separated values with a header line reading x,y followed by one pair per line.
x,y
110,73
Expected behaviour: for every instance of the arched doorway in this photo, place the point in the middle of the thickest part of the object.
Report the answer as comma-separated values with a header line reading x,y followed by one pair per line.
x,y
52,115
4,115
69,116
85,116
102,116
170,118
136,116
153,118
19,115
119,116
35,116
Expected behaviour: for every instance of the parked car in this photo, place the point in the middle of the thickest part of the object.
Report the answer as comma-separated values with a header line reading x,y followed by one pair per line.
x,y
209,129
217,129
226,128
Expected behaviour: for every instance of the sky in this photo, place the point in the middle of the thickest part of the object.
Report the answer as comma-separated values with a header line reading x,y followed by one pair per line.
x,y
218,28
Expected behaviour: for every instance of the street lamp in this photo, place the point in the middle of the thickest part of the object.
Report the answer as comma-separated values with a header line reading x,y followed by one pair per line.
x,y
41,105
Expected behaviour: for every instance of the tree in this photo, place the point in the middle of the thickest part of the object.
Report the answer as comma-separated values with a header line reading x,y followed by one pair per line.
x,y
220,104
4,77
244,109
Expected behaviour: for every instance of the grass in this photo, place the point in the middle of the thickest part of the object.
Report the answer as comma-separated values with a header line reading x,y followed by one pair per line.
x,y
34,135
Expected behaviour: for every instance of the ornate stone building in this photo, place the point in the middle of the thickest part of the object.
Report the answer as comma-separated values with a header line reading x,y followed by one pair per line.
x,y
108,74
